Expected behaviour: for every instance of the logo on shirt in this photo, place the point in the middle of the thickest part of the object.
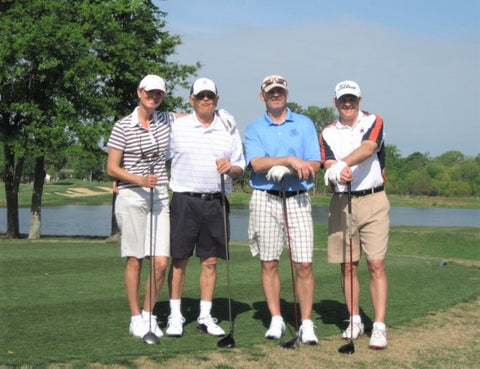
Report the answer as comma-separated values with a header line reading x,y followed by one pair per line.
x,y
293,132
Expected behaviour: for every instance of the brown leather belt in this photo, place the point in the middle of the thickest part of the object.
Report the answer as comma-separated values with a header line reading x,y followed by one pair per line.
x,y
288,194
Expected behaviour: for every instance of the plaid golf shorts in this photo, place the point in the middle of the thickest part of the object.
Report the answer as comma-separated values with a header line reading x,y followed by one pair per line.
x,y
267,232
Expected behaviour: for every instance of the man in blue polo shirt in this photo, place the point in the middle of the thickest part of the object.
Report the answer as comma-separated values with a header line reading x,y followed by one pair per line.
x,y
282,145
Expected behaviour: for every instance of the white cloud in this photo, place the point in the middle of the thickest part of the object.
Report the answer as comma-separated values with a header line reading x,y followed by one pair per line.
x,y
425,88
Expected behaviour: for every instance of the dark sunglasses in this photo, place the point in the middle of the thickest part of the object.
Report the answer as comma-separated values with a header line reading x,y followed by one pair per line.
x,y
270,81
348,99
205,94
155,93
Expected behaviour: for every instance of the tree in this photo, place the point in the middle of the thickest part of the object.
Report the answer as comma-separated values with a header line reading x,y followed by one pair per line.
x,y
68,71
321,117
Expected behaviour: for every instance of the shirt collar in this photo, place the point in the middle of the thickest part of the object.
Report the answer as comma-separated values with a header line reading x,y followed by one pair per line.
x,y
136,121
344,126
288,118
213,126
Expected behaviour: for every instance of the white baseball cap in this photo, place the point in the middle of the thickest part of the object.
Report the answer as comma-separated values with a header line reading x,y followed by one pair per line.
x,y
152,82
347,88
273,81
203,84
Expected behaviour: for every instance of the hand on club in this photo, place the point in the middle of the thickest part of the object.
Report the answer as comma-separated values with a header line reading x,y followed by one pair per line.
x,y
335,173
302,168
223,166
277,172
227,119
150,180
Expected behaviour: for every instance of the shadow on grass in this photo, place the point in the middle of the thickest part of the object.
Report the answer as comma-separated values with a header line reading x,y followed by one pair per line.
x,y
263,314
191,309
333,312
330,312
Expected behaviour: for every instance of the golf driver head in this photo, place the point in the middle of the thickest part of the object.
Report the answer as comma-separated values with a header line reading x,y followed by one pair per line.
x,y
291,344
348,348
227,341
151,339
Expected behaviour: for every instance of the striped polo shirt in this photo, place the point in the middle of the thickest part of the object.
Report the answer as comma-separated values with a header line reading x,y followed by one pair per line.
x,y
142,147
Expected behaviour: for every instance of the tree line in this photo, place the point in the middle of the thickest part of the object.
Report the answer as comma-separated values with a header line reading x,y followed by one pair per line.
x,y
69,70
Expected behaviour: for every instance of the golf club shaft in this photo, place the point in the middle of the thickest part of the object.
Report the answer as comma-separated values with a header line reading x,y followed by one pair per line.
x,y
285,215
227,252
349,200
152,259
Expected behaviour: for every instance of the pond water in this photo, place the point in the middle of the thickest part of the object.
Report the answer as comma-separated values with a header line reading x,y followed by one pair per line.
x,y
77,220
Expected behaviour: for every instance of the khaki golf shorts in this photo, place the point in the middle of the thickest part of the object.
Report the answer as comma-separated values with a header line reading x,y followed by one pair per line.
x,y
370,227
132,211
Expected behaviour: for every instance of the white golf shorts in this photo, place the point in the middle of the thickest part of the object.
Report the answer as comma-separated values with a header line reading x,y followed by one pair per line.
x,y
132,211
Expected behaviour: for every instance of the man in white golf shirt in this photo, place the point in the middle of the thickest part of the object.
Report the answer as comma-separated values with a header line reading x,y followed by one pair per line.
x,y
353,150
202,150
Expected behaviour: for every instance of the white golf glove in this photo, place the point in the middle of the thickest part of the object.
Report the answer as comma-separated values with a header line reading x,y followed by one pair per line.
x,y
227,119
332,174
277,172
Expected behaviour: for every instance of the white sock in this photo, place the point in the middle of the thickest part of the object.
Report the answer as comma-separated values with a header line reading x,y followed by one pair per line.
x,y
176,307
205,308
356,319
379,325
146,314
136,318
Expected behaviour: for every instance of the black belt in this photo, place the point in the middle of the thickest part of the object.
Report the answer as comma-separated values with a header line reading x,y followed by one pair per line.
x,y
204,196
361,193
288,194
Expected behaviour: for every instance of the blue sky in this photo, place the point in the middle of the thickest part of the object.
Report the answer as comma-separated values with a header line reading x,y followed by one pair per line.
x,y
417,62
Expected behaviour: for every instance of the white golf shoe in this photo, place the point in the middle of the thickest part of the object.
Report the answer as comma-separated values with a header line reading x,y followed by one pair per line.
x,y
307,333
155,328
353,332
175,326
378,340
277,328
209,325
138,328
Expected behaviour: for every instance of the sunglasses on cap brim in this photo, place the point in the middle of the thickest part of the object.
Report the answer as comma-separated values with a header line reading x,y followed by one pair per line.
x,y
271,81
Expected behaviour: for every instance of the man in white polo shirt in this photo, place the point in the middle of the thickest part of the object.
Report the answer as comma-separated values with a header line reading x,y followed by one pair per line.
x,y
202,150
353,151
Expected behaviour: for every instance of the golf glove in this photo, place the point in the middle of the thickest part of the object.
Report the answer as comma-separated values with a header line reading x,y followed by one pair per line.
x,y
227,119
332,174
277,172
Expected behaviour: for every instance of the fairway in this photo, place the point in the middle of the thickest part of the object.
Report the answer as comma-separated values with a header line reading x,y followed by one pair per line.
x,y
62,300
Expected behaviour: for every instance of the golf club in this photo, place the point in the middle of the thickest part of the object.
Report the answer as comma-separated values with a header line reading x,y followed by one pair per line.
x,y
292,343
227,341
151,338
349,348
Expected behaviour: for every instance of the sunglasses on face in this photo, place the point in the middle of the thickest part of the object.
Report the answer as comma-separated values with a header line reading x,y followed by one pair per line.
x,y
277,90
348,99
205,94
155,93
270,81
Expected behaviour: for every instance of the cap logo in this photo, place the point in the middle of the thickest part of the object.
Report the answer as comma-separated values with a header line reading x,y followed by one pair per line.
x,y
346,85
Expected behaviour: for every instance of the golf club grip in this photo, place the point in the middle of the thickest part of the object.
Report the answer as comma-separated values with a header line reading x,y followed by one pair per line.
x,y
222,185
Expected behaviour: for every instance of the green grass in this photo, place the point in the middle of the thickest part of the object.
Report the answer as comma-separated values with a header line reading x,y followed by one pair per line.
x,y
62,300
